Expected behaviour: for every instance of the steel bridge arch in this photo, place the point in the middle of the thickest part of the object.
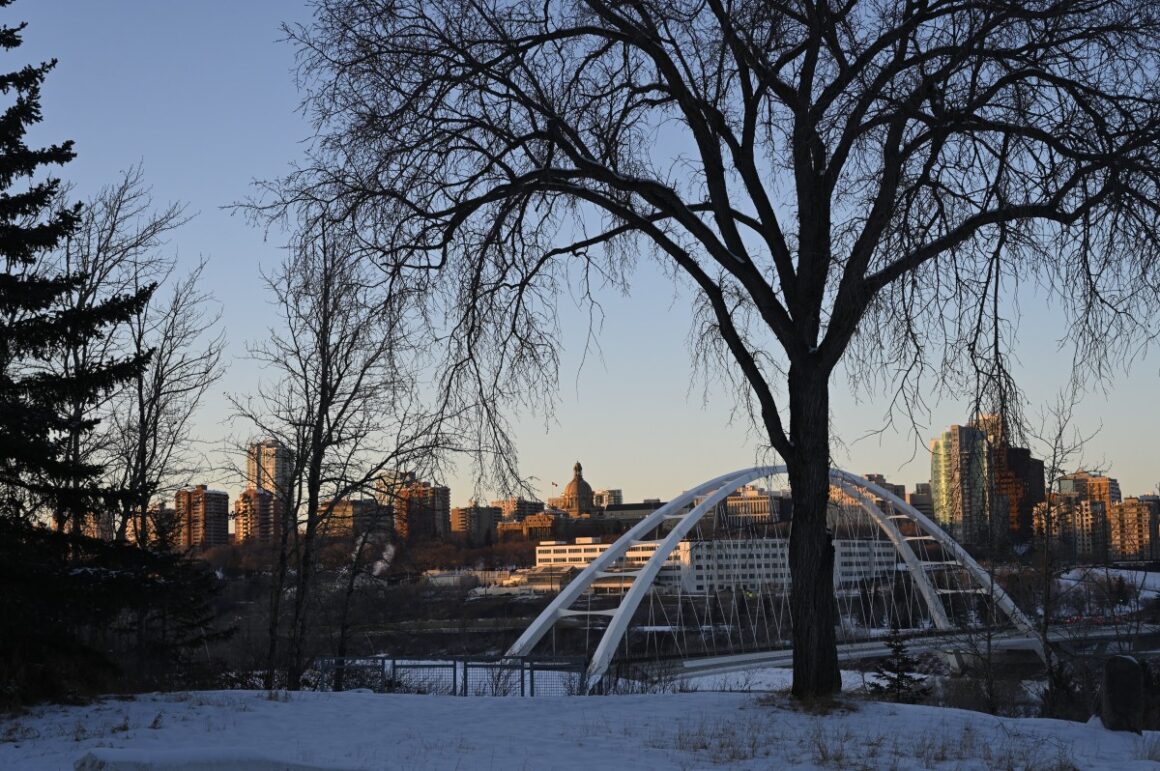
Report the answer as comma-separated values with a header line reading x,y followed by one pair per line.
x,y
717,490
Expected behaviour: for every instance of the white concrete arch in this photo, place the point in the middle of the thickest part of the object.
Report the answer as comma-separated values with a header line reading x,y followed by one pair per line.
x,y
717,490
927,525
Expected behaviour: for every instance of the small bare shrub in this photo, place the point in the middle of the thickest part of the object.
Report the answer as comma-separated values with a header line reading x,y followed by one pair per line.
x,y
17,732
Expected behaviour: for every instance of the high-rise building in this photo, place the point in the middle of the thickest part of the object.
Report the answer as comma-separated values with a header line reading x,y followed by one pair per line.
x,y
1018,480
161,527
1084,506
1079,527
389,484
269,467
1153,504
257,513
202,517
100,524
1129,530
421,510
475,523
1015,479
958,483
355,517
1092,487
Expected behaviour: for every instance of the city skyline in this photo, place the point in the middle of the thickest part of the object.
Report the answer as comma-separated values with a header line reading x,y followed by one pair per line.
x,y
206,119
438,349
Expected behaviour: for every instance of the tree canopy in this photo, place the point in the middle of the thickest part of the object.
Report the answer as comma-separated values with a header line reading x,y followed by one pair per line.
x,y
44,312
824,174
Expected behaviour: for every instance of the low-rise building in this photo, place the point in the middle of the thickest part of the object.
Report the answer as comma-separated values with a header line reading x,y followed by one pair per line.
x,y
546,524
629,513
721,564
880,480
921,499
752,506
516,509
605,498
543,578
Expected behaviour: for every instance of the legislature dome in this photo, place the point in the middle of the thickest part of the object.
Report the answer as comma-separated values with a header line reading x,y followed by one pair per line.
x,y
577,498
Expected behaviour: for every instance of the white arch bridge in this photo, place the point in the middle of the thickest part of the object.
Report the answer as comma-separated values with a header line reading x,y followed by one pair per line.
x,y
698,580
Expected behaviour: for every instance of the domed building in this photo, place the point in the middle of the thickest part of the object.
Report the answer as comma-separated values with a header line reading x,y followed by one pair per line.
x,y
577,497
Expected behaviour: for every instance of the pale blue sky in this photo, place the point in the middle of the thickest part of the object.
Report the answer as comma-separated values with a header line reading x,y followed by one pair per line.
x,y
202,94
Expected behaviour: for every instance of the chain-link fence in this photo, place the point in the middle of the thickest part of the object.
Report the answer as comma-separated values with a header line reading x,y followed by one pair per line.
x,y
474,676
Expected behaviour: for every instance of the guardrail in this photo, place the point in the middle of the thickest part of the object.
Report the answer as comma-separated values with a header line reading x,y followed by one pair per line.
x,y
460,676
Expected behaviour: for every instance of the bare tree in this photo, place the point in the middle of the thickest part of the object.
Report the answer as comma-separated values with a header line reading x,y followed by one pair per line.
x,y
822,173
369,558
150,445
1061,445
344,404
114,253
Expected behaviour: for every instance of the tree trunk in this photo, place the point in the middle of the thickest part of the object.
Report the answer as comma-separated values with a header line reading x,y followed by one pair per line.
x,y
344,621
305,570
811,549
279,583
1050,695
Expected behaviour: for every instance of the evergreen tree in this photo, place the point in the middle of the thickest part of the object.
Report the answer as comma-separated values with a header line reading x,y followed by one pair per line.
x,y
75,612
83,616
37,415
894,678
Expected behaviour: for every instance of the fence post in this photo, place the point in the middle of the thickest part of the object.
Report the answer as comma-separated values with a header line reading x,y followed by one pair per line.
x,y
522,694
532,676
464,662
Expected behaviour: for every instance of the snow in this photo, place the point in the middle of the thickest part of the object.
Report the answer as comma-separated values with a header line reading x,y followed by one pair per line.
x,y
212,759
1145,582
702,729
765,679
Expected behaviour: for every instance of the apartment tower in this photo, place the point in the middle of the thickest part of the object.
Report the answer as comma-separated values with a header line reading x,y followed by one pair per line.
x,y
202,517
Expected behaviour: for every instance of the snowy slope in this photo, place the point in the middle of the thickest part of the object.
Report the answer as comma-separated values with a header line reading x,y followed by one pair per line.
x,y
677,731
1145,582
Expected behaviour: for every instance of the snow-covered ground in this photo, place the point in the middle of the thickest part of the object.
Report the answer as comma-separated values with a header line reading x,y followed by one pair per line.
x,y
703,729
1145,582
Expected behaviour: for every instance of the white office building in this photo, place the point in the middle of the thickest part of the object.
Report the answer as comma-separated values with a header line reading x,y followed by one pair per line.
x,y
710,566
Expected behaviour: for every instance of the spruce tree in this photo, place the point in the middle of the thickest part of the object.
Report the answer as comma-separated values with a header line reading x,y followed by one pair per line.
x,y
895,680
37,418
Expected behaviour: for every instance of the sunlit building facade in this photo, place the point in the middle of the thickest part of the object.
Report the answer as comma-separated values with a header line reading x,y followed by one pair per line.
x,y
269,467
202,516
257,512
958,484
722,564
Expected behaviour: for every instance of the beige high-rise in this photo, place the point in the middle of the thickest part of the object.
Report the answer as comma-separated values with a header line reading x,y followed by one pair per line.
x,y
202,517
256,515
268,467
